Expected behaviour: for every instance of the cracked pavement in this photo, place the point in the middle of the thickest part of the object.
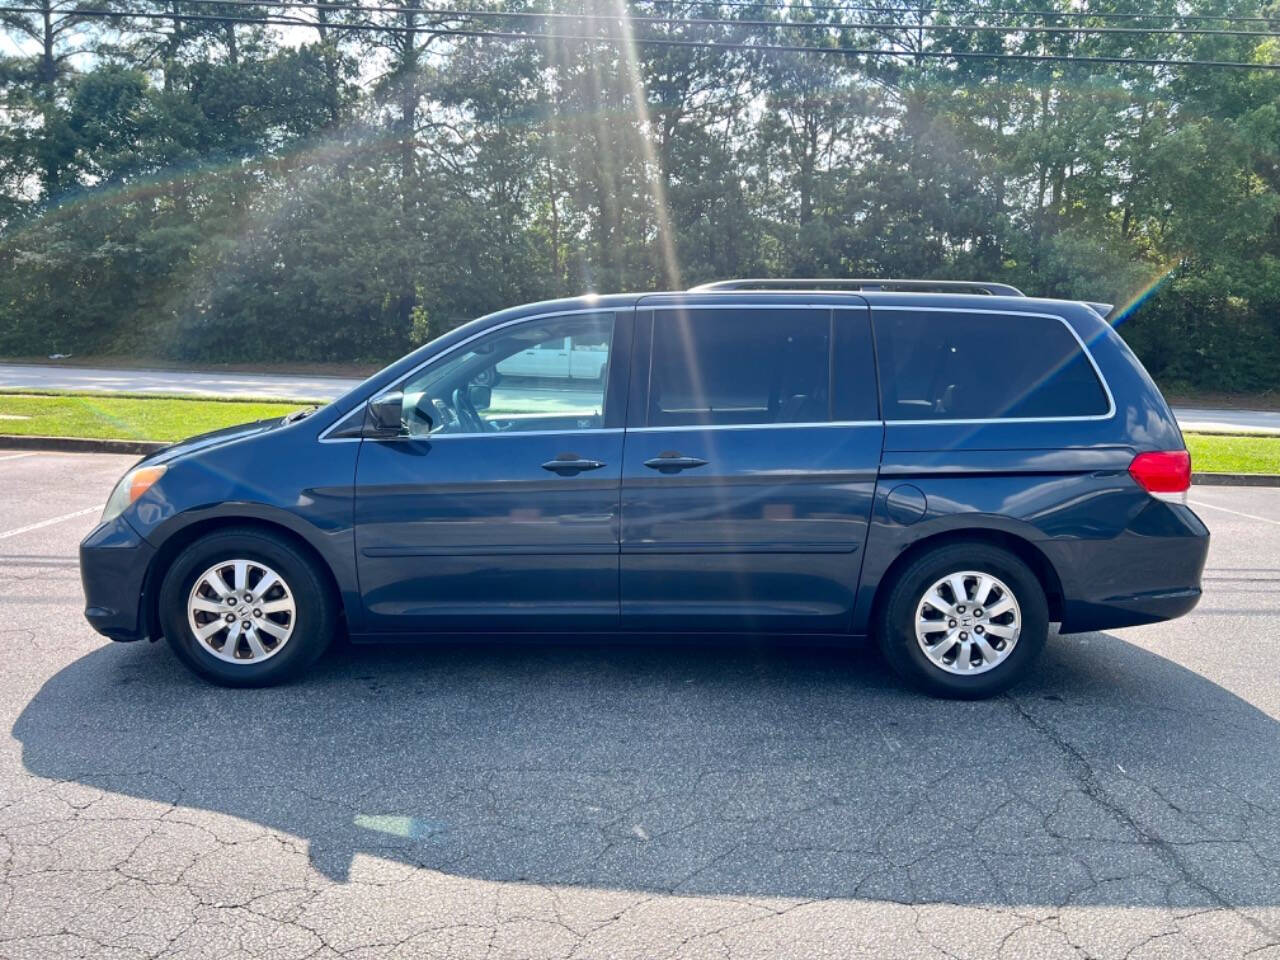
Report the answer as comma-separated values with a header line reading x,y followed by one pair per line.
x,y
650,802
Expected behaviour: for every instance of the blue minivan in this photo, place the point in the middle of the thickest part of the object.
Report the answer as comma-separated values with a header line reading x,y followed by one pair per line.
x,y
947,467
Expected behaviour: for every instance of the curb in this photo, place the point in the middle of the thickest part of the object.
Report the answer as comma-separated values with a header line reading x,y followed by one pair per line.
x,y
1236,479
80,445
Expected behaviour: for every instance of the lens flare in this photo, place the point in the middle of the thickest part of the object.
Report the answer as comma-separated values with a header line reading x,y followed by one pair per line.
x,y
1129,307
653,169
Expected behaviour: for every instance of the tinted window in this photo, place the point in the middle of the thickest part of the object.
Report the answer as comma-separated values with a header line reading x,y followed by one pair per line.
x,y
723,367
980,366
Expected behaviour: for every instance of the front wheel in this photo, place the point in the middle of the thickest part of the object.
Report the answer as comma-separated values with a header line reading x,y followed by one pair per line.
x,y
245,608
966,621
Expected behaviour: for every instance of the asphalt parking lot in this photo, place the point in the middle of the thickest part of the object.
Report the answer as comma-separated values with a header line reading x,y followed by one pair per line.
x,y
634,801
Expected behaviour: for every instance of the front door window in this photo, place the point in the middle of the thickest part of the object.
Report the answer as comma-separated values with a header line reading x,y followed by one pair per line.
x,y
542,375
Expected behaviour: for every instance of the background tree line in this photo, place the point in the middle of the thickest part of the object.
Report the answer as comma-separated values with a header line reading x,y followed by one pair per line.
x,y
195,187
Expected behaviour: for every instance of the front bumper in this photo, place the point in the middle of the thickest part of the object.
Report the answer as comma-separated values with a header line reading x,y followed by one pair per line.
x,y
113,570
1151,572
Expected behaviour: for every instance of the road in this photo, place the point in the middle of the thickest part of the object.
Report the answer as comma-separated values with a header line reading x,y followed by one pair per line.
x,y
17,375
634,802
1228,421
219,384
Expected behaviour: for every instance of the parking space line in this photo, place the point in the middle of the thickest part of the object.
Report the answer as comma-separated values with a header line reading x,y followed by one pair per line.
x,y
6,534
1247,516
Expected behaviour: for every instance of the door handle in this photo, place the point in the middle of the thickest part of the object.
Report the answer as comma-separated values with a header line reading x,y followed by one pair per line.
x,y
672,462
569,464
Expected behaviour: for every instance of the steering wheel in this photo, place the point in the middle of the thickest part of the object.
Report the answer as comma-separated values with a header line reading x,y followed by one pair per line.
x,y
468,417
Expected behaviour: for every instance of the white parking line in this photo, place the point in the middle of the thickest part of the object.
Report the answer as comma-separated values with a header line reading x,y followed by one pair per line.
x,y
5,535
1247,516
16,456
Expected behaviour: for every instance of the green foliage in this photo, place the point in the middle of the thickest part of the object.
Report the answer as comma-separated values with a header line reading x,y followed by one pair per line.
x,y
420,331
211,192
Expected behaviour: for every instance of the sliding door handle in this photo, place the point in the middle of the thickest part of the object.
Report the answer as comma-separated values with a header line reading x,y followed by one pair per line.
x,y
672,462
569,464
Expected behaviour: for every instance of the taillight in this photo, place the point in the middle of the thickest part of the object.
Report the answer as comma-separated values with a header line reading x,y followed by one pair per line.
x,y
1166,474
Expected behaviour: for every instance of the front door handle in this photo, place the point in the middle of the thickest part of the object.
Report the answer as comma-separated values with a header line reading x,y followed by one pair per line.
x,y
570,464
672,462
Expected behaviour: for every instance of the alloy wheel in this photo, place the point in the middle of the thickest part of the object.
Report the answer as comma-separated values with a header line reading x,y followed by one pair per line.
x,y
241,611
968,622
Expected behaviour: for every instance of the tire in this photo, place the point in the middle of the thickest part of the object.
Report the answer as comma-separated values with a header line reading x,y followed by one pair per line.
x,y
997,649
292,619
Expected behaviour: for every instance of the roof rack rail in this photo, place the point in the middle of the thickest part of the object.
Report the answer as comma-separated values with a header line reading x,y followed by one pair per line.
x,y
920,286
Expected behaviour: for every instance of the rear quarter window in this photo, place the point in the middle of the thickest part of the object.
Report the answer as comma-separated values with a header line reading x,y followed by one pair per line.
x,y
945,365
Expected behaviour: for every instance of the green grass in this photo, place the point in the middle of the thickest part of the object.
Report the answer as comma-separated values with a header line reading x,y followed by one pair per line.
x,y
126,418
1211,453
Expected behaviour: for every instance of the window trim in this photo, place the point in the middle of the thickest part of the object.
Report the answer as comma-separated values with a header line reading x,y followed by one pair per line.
x,y
1084,348
643,352
506,433
804,424
619,315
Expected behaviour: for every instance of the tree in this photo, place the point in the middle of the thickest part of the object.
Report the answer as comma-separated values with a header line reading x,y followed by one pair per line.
x,y
209,189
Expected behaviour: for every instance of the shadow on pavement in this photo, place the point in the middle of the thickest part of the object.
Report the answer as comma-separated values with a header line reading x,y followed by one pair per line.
x,y
1114,777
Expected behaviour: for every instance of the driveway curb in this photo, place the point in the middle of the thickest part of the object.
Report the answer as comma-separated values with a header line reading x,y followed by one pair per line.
x,y
1237,479
80,444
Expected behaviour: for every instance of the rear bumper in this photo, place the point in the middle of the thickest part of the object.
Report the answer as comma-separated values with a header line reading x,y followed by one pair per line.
x,y
1151,572
113,571
1129,611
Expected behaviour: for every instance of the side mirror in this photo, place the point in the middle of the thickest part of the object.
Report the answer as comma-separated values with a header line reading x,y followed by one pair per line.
x,y
385,416
480,395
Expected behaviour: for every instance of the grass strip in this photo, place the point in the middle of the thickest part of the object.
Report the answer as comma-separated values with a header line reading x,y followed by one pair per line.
x,y
1214,453
127,418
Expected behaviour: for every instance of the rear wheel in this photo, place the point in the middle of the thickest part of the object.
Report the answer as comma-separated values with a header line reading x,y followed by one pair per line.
x,y
246,608
966,620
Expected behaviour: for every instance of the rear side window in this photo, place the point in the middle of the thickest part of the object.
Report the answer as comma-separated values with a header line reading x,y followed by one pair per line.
x,y
939,365
736,367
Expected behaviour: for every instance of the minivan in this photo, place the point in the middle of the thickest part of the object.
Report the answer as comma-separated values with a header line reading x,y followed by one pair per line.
x,y
949,468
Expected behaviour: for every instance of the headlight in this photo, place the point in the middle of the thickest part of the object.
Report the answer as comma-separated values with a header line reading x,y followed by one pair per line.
x,y
131,486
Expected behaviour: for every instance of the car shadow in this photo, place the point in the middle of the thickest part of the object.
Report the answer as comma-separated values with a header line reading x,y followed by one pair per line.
x,y
1114,776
